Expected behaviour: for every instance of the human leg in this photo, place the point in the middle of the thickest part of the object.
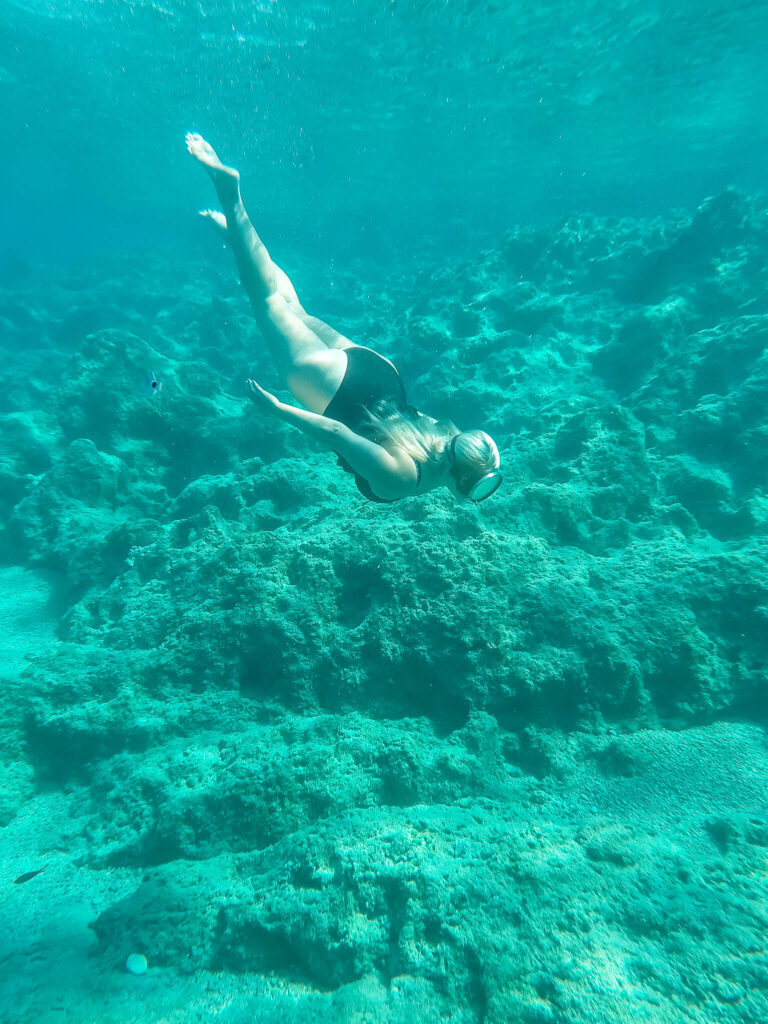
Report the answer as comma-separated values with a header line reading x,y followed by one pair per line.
x,y
327,334
282,281
313,371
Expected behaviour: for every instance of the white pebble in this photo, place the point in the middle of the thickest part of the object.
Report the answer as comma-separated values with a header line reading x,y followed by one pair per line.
x,y
136,964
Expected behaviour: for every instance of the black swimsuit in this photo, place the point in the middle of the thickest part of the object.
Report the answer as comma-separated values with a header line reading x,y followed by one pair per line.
x,y
370,383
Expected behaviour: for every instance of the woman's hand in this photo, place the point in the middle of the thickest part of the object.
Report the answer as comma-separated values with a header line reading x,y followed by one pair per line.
x,y
264,399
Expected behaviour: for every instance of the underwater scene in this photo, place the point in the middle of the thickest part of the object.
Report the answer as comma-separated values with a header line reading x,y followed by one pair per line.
x,y
383,512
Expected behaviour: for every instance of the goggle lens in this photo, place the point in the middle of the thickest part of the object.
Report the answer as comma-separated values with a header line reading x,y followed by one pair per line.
x,y
483,487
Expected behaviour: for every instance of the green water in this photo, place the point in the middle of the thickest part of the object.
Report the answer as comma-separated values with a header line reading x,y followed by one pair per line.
x,y
317,758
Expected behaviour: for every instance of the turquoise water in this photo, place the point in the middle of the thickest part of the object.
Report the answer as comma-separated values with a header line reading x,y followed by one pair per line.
x,y
315,758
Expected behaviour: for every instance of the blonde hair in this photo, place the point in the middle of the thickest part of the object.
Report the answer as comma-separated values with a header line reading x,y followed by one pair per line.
x,y
424,439
476,450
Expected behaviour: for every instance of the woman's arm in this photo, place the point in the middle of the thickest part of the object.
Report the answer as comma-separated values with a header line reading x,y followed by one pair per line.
x,y
390,476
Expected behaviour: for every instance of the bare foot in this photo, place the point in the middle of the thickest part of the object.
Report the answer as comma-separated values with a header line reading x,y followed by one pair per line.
x,y
225,179
217,218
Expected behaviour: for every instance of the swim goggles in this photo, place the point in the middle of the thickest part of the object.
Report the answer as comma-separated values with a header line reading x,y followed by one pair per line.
x,y
481,487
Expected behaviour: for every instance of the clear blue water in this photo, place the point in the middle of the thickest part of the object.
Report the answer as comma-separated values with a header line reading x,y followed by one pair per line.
x,y
430,119
315,758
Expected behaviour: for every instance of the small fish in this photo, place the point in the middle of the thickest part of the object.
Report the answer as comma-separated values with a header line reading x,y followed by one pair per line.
x,y
154,386
27,875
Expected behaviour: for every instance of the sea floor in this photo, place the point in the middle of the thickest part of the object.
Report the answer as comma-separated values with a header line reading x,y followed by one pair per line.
x,y
317,759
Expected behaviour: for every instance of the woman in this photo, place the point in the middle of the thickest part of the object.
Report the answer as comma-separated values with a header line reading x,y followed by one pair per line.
x,y
354,398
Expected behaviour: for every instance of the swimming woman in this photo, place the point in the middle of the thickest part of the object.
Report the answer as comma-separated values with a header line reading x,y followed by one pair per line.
x,y
354,401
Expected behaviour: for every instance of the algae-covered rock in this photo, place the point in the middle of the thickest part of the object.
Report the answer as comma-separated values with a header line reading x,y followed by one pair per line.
x,y
317,758
479,907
